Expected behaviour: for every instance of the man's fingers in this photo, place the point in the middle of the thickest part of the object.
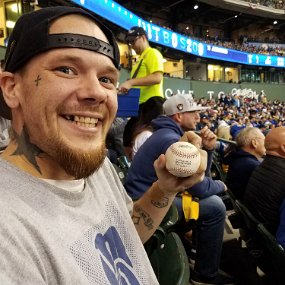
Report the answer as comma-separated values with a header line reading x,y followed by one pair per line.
x,y
192,138
159,163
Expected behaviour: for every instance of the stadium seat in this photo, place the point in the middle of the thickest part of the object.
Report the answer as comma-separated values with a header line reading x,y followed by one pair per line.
x,y
166,226
217,172
167,253
267,254
250,221
248,229
250,235
122,167
169,260
275,253
121,173
123,162
236,218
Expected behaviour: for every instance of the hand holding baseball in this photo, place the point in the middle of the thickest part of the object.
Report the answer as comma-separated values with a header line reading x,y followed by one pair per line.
x,y
170,184
182,159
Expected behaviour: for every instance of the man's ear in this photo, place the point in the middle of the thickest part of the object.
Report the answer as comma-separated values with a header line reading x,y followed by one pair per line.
x,y
254,143
7,83
178,117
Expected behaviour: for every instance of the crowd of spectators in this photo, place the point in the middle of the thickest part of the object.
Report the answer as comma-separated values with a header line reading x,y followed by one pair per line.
x,y
276,4
236,112
231,113
250,47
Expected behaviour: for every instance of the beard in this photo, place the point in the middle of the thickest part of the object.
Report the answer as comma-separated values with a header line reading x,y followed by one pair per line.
x,y
81,164
78,163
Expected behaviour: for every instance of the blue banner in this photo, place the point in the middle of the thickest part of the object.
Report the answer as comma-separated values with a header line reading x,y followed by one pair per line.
x,y
124,18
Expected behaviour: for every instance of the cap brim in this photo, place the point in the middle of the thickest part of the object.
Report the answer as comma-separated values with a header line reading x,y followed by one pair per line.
x,y
199,108
193,109
5,111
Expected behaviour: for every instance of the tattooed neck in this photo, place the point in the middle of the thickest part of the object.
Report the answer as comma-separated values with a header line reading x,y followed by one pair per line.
x,y
26,148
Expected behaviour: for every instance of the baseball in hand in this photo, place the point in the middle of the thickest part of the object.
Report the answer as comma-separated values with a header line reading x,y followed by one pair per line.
x,y
182,159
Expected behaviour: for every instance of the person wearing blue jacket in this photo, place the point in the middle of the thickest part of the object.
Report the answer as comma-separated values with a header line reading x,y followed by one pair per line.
x,y
181,114
244,159
265,191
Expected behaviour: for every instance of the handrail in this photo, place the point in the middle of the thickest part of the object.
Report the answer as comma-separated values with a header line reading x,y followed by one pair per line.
x,y
226,141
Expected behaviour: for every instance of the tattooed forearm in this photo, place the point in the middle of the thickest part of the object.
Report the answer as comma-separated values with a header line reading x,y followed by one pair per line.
x,y
160,204
38,80
26,148
141,214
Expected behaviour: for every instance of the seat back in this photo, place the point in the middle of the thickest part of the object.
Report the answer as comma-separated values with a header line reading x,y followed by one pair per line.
x,y
275,253
233,199
272,245
121,173
123,162
122,166
166,226
250,235
236,218
217,172
167,253
250,220
169,261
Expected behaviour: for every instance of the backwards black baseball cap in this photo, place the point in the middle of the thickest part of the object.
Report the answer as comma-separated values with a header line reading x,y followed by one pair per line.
x,y
135,32
30,37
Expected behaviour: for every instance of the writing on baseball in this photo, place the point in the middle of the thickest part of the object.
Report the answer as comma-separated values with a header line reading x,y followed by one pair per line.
x,y
182,159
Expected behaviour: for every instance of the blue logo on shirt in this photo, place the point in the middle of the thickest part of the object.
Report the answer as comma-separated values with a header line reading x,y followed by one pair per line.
x,y
115,261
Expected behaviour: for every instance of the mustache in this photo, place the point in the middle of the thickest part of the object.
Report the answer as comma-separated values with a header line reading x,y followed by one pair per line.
x,y
81,108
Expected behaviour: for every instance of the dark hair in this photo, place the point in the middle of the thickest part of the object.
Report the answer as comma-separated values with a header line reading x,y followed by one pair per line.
x,y
149,110
152,108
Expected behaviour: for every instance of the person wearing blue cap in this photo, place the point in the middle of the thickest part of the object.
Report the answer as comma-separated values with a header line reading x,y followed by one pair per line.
x,y
65,217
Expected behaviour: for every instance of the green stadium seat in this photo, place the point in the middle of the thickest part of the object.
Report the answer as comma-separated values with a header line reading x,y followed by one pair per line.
x,y
169,260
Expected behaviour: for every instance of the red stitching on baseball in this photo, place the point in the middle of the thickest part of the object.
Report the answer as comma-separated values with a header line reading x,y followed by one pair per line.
x,y
182,154
181,170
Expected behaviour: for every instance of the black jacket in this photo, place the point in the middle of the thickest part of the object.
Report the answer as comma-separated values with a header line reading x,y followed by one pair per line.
x,y
265,191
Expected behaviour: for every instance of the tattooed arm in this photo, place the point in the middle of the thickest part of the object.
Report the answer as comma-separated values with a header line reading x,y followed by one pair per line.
x,y
151,208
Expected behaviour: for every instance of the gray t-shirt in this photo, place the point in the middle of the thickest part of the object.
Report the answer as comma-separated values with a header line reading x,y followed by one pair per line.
x,y
52,236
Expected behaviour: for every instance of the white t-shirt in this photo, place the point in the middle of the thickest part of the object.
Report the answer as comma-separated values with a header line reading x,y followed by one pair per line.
x,y
139,140
52,236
